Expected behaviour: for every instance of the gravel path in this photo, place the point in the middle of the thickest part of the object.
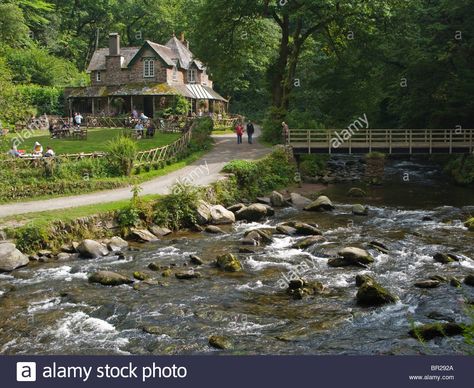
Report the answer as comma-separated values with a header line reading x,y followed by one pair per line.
x,y
202,172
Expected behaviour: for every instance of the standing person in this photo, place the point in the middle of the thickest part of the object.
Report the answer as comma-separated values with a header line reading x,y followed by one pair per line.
x,y
250,131
78,119
285,132
134,114
239,130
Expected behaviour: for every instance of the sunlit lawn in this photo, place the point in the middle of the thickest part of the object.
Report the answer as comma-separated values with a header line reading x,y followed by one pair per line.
x,y
97,140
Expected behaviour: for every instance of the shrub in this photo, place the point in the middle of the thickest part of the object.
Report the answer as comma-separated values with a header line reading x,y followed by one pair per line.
x,y
461,169
31,239
201,137
272,129
258,178
121,154
312,165
179,209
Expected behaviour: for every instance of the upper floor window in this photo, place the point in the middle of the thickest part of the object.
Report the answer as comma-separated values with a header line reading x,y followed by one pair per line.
x,y
99,76
175,70
192,76
149,68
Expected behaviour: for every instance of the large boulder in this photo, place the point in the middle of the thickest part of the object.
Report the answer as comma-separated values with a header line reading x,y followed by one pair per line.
x,y
299,288
254,213
257,237
108,278
360,210
203,212
308,242
117,244
212,229
355,192
160,231
321,204
433,330
11,258
229,263
445,258
299,201
372,294
303,229
429,283
220,342
469,280
378,246
277,200
220,216
352,256
142,235
90,249
235,208
189,275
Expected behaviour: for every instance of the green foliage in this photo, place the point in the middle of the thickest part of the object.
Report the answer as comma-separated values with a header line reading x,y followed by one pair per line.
x,y
313,165
31,238
121,154
37,66
178,210
272,126
375,155
461,169
201,136
13,28
258,178
47,100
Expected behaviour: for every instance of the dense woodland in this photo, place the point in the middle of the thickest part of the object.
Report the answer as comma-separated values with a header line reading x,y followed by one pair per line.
x,y
314,63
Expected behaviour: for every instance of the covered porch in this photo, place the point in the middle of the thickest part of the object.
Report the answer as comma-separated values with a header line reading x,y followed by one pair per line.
x,y
117,101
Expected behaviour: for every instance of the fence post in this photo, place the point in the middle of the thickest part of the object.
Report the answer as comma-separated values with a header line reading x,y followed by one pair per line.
x,y
450,141
309,141
431,142
470,142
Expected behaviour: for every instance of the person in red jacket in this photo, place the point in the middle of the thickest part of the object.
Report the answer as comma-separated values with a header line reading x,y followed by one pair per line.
x,y
239,130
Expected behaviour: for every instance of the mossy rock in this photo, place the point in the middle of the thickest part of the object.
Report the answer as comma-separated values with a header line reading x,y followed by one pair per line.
x,y
154,267
140,276
469,280
107,278
308,242
356,192
372,294
433,330
220,342
229,263
470,224
445,258
167,273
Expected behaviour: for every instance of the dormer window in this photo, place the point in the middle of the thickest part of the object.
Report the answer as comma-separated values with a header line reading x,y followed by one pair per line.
x,y
175,70
98,76
149,68
192,75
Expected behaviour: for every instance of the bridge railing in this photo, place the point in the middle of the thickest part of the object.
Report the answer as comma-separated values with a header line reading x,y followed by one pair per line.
x,y
387,140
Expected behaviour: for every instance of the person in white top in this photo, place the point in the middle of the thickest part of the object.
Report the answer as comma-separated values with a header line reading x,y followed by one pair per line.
x,y
49,153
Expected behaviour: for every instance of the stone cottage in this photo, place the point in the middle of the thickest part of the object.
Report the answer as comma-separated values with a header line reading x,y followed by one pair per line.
x,y
145,78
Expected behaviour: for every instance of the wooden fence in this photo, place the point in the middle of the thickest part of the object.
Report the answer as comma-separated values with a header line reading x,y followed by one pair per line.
x,y
391,141
172,125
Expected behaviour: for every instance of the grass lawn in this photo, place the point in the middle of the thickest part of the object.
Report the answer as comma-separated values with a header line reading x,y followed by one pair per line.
x,y
96,141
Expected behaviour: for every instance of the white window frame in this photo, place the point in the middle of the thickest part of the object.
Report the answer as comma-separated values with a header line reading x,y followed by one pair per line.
x,y
149,68
98,76
175,71
192,76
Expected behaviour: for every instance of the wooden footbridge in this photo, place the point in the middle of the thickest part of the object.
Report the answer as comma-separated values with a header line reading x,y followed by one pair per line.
x,y
390,141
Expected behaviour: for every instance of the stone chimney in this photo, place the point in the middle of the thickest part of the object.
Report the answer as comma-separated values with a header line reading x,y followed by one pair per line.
x,y
114,44
183,40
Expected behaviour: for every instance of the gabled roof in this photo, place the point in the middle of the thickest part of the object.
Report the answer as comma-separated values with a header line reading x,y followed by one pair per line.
x,y
97,62
163,52
181,52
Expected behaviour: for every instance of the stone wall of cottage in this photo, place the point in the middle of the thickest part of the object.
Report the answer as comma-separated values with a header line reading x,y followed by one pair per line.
x,y
136,72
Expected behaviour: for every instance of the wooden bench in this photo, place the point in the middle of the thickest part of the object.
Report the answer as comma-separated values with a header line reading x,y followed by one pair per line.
x,y
79,133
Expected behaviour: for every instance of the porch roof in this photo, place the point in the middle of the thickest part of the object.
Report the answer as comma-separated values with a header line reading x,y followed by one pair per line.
x,y
194,91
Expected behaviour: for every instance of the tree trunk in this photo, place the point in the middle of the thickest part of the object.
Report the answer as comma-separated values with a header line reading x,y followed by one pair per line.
x,y
279,71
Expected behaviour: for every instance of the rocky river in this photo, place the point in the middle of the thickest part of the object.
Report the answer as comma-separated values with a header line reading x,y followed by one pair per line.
x,y
52,308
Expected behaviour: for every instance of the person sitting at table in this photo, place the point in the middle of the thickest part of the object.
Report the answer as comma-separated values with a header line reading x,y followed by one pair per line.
x,y
49,153
143,118
14,152
38,149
